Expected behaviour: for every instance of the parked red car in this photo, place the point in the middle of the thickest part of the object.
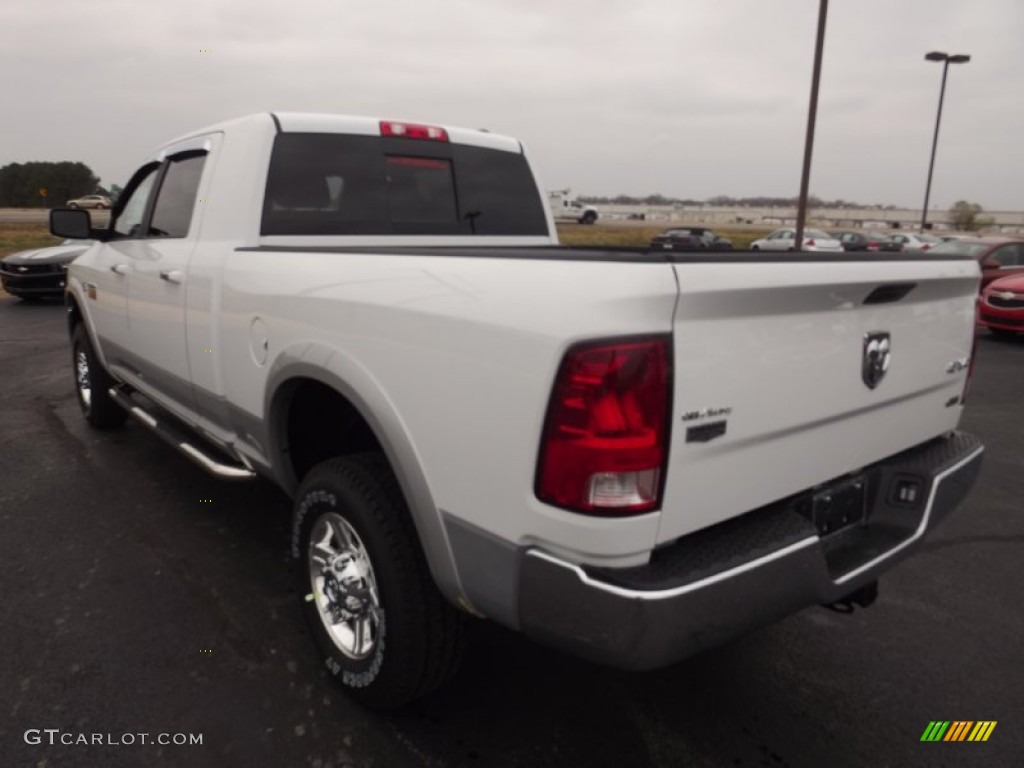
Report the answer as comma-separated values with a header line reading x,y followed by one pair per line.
x,y
1001,308
998,256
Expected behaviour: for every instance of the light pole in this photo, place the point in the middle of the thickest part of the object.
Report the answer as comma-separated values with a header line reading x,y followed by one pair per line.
x,y
812,113
946,59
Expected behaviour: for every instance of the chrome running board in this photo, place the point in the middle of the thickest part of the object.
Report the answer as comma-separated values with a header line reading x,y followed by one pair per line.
x,y
176,438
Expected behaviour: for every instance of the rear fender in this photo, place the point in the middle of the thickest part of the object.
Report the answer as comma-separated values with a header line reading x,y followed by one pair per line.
x,y
352,381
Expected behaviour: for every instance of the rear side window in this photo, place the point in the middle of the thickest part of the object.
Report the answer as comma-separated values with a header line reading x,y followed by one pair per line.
x,y
331,184
176,199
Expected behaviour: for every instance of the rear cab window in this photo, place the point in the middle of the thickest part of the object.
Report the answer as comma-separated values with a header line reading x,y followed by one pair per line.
x,y
340,184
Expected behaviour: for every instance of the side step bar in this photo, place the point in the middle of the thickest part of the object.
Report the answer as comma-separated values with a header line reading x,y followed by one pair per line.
x,y
177,440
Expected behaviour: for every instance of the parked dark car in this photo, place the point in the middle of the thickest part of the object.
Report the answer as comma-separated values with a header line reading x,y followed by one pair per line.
x,y
40,272
690,239
854,240
998,256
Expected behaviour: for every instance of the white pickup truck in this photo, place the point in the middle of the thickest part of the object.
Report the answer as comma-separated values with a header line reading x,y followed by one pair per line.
x,y
565,207
629,455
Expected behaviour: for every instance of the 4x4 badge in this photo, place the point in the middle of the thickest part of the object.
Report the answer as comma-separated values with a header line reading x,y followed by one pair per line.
x,y
876,357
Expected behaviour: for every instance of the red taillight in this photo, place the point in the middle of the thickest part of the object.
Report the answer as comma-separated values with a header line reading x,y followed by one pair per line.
x,y
412,131
605,440
925,246
810,241
872,246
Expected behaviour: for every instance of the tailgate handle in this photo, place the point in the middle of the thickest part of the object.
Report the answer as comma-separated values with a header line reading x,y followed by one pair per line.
x,y
885,294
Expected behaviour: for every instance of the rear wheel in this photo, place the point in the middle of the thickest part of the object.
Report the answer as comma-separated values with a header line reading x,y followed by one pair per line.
x,y
74,205
755,248
92,383
382,627
588,218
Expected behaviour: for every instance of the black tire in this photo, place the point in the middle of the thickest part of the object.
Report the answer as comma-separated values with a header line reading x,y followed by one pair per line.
x,y
74,206
588,218
418,637
92,383
755,248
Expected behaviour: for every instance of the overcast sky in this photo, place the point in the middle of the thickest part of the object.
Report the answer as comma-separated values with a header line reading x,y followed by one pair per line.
x,y
688,98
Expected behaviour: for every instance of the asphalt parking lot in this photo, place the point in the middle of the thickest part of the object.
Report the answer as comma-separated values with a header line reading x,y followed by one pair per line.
x,y
141,596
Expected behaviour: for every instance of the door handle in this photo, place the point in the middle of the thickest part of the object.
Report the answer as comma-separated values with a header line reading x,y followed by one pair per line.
x,y
121,269
175,276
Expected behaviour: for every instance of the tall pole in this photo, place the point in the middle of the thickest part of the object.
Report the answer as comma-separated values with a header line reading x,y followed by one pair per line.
x,y
812,114
946,59
935,143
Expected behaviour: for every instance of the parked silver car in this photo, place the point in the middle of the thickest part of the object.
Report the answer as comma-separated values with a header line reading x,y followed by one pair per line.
x,y
783,240
912,242
90,201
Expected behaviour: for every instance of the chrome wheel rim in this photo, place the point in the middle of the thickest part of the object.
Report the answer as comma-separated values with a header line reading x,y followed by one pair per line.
x,y
344,586
82,377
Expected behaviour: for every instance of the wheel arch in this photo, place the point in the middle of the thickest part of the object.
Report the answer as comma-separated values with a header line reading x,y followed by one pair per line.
x,y
357,395
74,310
78,315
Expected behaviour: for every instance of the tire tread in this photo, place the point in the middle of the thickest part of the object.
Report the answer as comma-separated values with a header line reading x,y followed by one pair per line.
x,y
103,412
433,647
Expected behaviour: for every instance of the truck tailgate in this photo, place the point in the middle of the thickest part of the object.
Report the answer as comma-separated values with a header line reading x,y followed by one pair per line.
x,y
774,355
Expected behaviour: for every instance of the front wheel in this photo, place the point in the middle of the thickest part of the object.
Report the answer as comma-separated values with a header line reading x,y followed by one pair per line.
x,y
382,627
589,218
92,384
755,248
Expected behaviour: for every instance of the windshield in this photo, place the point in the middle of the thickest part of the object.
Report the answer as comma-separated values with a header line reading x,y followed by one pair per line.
x,y
959,248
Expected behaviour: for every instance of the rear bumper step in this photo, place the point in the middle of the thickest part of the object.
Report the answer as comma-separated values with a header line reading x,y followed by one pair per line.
x,y
177,439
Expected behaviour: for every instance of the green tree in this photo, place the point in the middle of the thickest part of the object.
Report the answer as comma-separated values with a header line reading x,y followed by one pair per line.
x,y
21,184
965,216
